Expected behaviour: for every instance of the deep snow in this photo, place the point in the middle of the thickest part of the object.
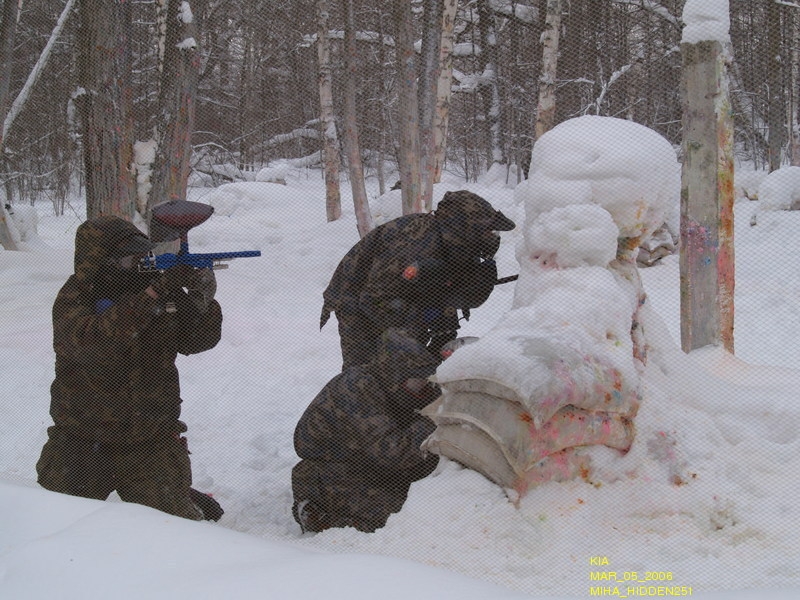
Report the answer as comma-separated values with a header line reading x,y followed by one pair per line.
x,y
734,526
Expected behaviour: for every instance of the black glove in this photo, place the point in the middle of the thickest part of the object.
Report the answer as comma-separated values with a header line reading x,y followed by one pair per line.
x,y
488,245
174,279
203,288
477,284
211,509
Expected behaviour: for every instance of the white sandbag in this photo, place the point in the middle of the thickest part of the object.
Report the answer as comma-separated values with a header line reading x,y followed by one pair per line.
x,y
501,422
475,450
569,464
542,375
497,437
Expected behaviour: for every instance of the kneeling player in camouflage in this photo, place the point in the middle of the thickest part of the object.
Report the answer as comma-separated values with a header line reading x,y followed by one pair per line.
x,y
359,439
115,400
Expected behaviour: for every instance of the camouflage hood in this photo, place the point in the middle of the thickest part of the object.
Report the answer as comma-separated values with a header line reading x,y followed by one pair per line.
x,y
464,218
102,238
401,357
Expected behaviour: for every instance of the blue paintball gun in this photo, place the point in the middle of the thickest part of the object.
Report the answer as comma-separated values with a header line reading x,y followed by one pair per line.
x,y
171,221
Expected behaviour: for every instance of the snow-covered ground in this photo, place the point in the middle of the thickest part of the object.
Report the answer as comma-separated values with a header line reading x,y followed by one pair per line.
x,y
734,527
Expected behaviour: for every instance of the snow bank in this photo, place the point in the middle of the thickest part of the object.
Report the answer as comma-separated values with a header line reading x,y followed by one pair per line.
x,y
780,190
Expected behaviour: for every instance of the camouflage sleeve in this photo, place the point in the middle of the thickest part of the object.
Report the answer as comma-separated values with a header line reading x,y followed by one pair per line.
x,y
82,334
387,442
348,422
389,292
395,447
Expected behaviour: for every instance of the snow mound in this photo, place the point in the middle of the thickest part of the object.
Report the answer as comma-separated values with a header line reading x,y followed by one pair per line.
x,y
627,168
561,373
780,190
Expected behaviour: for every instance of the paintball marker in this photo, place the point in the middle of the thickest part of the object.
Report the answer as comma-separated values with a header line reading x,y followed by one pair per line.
x,y
508,279
173,220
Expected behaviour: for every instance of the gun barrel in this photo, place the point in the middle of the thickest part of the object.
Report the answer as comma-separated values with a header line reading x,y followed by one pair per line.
x,y
506,279
210,260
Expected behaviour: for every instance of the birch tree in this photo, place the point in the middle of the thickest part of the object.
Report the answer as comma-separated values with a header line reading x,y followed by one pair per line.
x,y
444,88
351,144
330,142
8,32
546,109
429,78
490,89
408,108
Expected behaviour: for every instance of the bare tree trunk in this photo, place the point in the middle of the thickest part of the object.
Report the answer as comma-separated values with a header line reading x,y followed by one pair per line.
x,y
351,143
408,109
429,78
546,110
105,106
775,60
8,30
443,88
330,142
493,107
794,90
179,71
707,194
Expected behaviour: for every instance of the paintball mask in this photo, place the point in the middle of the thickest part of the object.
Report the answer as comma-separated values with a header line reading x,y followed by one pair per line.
x,y
468,223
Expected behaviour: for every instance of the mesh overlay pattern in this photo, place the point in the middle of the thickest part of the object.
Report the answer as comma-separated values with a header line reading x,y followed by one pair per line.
x,y
520,299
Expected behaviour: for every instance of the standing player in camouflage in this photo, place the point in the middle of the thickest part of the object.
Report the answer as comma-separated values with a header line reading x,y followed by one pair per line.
x,y
115,400
416,272
359,439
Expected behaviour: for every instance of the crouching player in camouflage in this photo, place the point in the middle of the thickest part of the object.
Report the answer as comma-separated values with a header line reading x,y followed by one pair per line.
x,y
359,439
415,272
115,400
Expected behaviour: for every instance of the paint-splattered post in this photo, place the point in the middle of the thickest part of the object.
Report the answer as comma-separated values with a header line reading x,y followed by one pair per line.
x,y
706,257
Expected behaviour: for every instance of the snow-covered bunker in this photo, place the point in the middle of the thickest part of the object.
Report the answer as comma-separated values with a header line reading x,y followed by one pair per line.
x,y
561,372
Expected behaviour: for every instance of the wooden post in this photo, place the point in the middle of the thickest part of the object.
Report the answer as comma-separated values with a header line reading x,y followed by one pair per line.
x,y
707,194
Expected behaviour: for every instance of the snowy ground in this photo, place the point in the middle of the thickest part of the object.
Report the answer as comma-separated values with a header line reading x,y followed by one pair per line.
x,y
736,527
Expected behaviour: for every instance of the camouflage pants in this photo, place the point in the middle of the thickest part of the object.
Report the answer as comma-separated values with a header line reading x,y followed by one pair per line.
x,y
338,495
155,473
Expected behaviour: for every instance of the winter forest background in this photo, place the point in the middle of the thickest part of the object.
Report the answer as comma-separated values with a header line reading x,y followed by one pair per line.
x,y
257,73
115,106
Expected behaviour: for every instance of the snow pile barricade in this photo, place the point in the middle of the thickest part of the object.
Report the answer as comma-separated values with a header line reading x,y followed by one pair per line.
x,y
522,424
561,372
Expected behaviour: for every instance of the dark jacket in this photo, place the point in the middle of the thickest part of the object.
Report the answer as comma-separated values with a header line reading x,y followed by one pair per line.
x,y
365,417
115,346
409,271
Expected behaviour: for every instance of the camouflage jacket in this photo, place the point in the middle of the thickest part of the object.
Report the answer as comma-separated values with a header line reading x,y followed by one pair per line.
x,y
400,269
356,420
116,378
